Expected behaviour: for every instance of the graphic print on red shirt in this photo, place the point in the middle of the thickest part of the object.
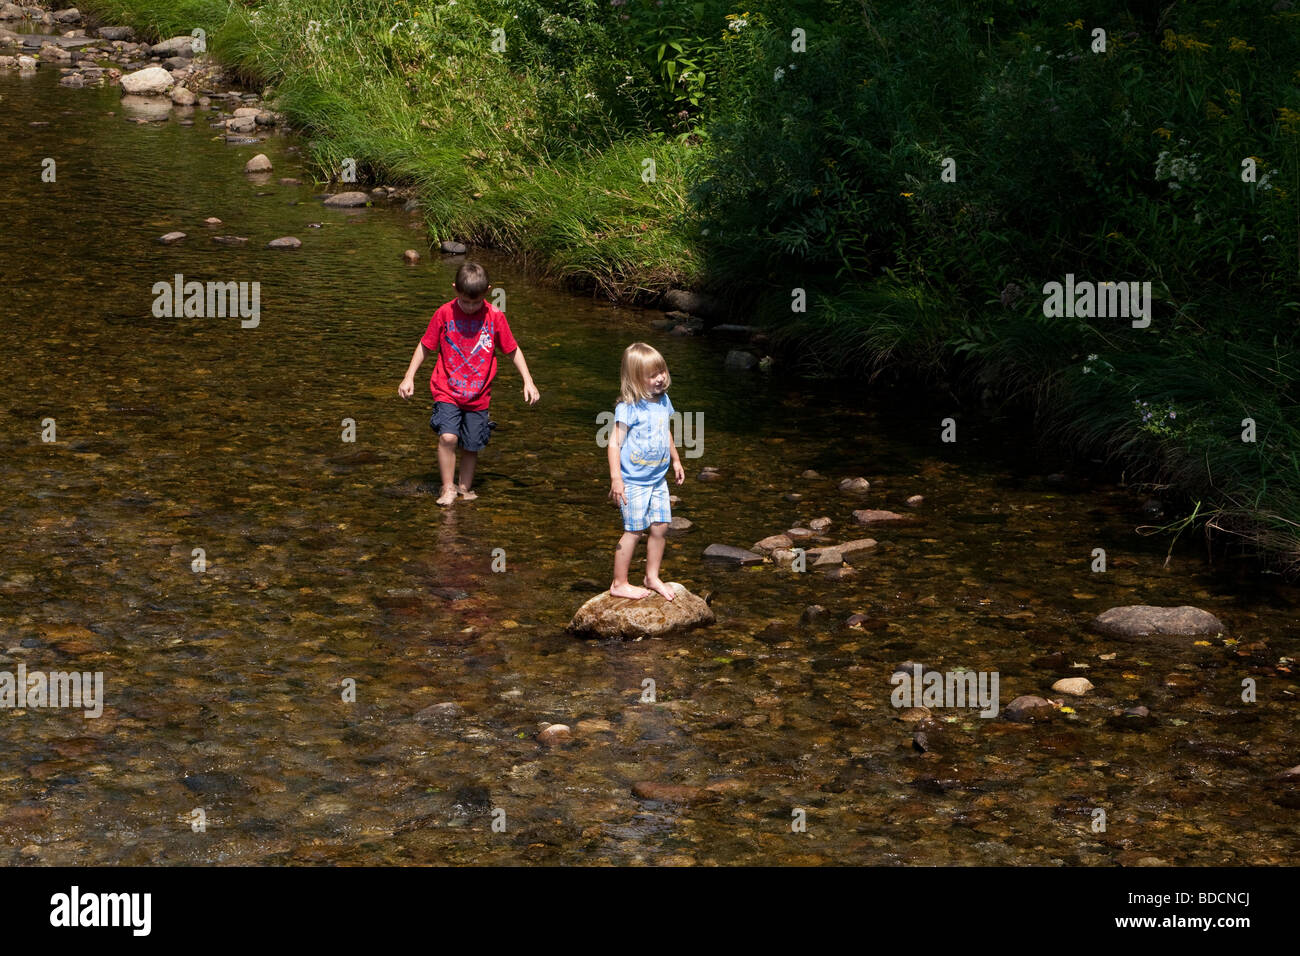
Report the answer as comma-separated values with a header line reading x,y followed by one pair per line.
x,y
466,346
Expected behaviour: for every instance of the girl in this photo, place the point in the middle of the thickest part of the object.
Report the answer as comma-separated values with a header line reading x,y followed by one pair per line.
x,y
640,449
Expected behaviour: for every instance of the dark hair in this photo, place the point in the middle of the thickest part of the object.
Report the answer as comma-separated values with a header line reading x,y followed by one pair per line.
x,y
471,280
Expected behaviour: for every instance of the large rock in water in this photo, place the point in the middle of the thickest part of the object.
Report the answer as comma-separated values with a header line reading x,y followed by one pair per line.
x,y
1141,620
631,619
153,81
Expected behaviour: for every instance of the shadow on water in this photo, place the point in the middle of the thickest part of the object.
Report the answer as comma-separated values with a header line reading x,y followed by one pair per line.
x,y
328,567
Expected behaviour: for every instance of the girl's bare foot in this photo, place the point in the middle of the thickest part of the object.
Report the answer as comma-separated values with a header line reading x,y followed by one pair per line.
x,y
659,587
466,493
448,495
628,591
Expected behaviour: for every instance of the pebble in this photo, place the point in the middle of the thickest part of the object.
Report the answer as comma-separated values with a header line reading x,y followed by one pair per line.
x,y
914,501
1028,709
1075,686
171,237
855,485
819,524
772,543
553,734
285,242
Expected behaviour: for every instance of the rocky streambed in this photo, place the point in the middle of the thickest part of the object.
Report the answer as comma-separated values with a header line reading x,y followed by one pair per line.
x,y
298,643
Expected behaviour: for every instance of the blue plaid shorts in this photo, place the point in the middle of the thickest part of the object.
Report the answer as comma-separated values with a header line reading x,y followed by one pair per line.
x,y
646,504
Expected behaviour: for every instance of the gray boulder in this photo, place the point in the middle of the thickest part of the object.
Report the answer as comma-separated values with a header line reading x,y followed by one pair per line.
x,y
1142,620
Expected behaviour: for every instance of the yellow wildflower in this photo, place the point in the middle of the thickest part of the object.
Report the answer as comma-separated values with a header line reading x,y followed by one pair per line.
x,y
1173,41
1076,25
1237,45
907,195
1212,110
1161,131
1290,120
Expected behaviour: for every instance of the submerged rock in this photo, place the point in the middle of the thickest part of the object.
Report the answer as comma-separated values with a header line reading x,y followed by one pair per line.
x,y
855,485
554,734
726,552
1141,620
672,792
258,164
632,619
876,516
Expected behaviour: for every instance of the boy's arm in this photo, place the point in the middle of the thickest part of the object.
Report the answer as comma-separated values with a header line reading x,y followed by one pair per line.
x,y
531,395
407,388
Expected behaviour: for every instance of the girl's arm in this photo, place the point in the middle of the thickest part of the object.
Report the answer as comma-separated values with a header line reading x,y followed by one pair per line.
x,y
407,388
616,438
678,471
531,394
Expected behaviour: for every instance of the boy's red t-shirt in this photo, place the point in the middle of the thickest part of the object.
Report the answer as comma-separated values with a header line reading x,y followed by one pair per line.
x,y
466,345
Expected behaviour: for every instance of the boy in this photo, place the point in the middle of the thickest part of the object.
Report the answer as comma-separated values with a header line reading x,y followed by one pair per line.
x,y
465,333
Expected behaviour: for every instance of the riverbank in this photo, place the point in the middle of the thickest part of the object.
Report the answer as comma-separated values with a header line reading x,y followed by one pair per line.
x,y
784,191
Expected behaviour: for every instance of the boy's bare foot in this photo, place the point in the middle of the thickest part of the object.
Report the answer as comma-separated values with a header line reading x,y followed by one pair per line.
x,y
628,591
466,493
661,588
448,495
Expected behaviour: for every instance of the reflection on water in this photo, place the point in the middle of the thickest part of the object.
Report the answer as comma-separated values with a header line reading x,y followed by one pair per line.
x,y
328,563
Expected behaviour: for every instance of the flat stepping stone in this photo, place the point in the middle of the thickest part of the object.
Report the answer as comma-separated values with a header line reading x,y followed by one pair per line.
x,y
875,516
726,552
856,548
1143,620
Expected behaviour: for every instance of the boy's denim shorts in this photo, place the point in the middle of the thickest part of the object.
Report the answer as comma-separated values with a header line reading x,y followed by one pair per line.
x,y
471,427
646,505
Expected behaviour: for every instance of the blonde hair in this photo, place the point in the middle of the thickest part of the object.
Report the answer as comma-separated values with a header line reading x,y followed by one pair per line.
x,y
640,361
